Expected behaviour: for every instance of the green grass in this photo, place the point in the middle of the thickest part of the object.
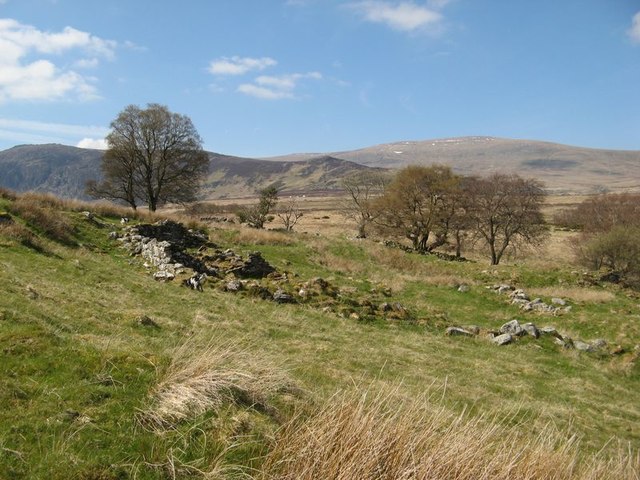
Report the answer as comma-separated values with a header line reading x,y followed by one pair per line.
x,y
78,368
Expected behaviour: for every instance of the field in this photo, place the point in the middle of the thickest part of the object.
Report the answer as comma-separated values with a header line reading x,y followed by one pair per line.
x,y
109,374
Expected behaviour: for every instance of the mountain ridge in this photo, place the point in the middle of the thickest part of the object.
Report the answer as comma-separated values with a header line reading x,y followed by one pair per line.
x,y
564,169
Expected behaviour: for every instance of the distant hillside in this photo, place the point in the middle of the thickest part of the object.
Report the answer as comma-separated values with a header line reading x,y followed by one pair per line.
x,y
236,177
563,169
63,170
58,169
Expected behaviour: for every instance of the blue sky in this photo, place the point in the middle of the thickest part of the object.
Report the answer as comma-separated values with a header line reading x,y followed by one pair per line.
x,y
269,77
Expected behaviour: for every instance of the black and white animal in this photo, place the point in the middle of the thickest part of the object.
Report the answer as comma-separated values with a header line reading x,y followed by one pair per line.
x,y
124,220
196,281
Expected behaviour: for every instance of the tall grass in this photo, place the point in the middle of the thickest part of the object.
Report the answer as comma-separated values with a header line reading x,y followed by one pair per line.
x,y
44,213
377,436
205,378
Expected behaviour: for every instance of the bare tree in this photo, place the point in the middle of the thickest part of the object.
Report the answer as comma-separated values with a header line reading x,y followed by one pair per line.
x,y
504,211
418,204
362,189
289,212
154,156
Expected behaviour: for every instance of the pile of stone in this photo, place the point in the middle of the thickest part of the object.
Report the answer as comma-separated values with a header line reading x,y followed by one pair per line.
x,y
520,298
163,246
513,330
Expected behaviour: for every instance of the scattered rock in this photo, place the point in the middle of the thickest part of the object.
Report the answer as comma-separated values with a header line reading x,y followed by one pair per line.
x,y
599,343
473,329
531,329
512,328
558,301
503,339
463,288
233,286
457,331
280,296
254,267
583,346
164,276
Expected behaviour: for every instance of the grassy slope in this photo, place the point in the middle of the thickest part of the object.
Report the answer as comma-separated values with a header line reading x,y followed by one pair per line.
x,y
77,367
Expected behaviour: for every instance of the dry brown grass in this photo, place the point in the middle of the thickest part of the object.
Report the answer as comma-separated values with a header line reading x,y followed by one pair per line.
x,y
255,236
205,378
19,233
377,436
44,213
576,294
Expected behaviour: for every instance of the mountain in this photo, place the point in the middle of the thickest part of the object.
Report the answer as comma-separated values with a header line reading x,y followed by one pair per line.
x,y
58,169
563,168
237,177
63,170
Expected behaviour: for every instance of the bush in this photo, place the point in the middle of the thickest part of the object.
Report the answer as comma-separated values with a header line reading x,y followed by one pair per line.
x,y
617,251
602,213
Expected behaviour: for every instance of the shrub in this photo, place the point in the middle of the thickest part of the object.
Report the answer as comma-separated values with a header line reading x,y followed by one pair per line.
x,y
617,251
602,213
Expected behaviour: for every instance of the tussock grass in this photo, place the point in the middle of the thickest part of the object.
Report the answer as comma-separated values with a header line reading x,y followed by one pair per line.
x,y
44,213
200,379
19,233
379,436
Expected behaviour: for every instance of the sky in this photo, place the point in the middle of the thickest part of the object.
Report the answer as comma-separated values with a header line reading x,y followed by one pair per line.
x,y
261,78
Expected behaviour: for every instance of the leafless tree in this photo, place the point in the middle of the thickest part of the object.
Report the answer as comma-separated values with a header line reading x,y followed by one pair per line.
x,y
362,188
289,212
504,211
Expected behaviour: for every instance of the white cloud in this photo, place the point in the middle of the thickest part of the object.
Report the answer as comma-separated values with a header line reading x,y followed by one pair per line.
x,y
405,16
239,65
634,31
263,92
93,143
276,87
41,79
87,63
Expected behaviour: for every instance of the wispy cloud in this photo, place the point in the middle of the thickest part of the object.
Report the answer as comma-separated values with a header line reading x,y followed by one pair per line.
x,y
239,65
28,131
405,16
277,87
41,79
634,31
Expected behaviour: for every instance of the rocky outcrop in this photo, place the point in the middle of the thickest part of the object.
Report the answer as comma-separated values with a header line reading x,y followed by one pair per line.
x,y
513,331
520,298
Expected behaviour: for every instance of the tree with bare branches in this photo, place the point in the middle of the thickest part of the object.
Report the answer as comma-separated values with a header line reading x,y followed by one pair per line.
x,y
289,212
504,211
362,188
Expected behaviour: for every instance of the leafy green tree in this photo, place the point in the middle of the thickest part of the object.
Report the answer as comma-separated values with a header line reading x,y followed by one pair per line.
x,y
257,215
154,156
